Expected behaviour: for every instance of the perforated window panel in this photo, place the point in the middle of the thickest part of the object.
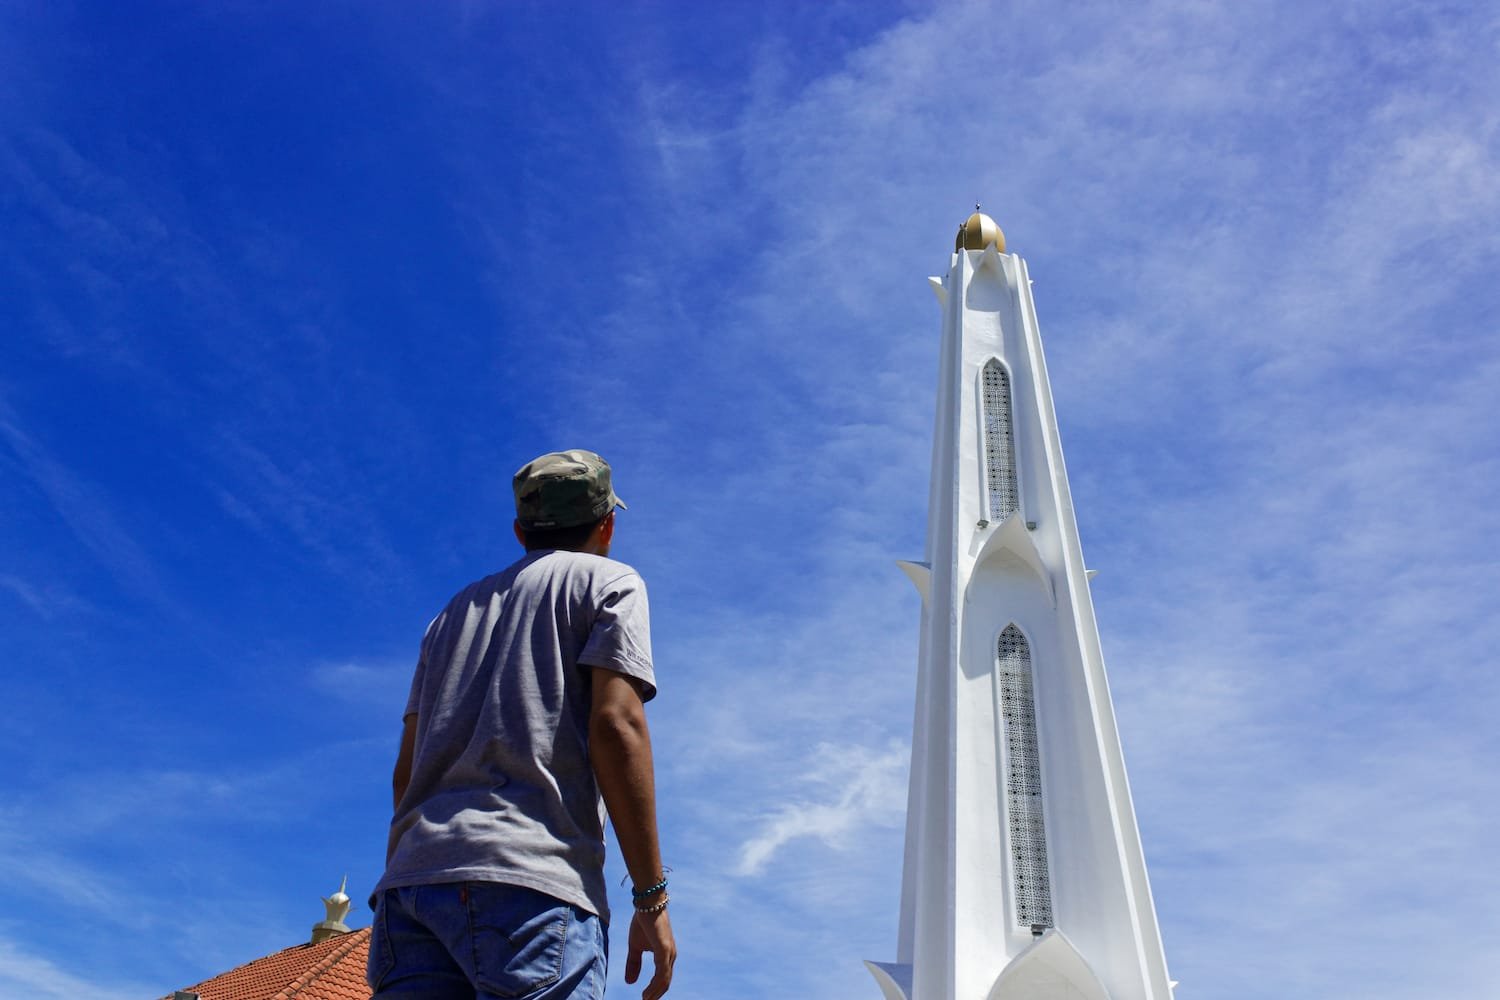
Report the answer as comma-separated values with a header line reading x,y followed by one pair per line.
x,y
999,450
1023,783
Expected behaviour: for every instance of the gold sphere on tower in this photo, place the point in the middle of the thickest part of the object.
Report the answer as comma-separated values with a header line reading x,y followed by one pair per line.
x,y
977,232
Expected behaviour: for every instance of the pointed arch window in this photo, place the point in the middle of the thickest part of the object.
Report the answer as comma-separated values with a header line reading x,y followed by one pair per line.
x,y
1023,782
999,446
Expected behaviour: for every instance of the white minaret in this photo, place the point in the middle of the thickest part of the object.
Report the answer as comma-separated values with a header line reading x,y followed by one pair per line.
x,y
1024,877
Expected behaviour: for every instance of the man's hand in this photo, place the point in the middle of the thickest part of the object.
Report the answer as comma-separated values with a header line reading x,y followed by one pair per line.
x,y
651,932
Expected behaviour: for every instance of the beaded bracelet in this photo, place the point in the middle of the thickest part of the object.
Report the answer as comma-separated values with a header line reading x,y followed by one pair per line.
x,y
643,893
656,907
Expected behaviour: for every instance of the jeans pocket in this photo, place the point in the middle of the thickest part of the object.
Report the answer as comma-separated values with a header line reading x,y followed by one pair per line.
x,y
519,938
382,958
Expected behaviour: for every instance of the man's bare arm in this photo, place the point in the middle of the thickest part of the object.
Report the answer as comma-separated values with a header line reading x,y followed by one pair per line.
x,y
620,752
401,775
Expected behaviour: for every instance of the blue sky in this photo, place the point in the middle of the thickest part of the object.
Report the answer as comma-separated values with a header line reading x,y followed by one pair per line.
x,y
288,291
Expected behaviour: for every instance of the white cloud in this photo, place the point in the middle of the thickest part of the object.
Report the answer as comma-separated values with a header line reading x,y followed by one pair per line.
x,y
380,685
84,510
216,346
856,787
312,504
23,974
27,594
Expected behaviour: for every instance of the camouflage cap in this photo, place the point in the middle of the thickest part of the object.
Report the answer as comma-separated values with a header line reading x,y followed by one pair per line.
x,y
562,489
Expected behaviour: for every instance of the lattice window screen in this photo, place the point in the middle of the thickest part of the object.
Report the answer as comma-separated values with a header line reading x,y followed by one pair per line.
x,y
1023,782
999,449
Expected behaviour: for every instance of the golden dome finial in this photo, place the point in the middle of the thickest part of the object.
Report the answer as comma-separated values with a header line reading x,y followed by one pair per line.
x,y
977,232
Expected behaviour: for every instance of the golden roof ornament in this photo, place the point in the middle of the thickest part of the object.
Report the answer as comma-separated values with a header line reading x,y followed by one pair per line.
x,y
977,232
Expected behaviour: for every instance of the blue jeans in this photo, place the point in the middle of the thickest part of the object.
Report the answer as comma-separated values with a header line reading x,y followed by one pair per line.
x,y
483,940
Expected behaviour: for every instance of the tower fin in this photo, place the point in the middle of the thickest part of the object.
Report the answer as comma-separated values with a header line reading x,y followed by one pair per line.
x,y
1051,966
919,573
1013,536
990,258
894,979
939,289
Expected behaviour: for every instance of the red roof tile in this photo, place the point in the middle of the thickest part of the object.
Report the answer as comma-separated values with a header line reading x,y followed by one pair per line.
x,y
329,970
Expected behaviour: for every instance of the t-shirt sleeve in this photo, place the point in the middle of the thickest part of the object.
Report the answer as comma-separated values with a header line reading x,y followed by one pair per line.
x,y
621,636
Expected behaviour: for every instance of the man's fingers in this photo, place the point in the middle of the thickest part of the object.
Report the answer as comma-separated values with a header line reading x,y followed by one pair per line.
x,y
659,983
651,933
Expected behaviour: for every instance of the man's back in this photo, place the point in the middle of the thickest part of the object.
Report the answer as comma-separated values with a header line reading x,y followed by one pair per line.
x,y
526,719
501,785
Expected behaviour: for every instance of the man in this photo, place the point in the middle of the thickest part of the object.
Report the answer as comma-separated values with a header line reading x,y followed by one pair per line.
x,y
526,710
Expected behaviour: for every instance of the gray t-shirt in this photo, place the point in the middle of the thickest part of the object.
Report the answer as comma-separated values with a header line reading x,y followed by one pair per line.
x,y
501,786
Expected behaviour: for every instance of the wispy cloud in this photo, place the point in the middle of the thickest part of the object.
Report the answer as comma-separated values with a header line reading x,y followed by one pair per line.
x,y
85,510
202,886
380,685
209,367
27,594
24,974
854,787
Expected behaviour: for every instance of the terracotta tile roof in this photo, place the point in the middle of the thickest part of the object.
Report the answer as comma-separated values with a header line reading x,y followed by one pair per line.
x,y
329,970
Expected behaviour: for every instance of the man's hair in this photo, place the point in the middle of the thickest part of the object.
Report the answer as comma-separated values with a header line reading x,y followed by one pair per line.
x,y
571,538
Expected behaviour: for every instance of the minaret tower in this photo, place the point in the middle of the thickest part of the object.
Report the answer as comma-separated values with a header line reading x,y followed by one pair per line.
x,y
1023,877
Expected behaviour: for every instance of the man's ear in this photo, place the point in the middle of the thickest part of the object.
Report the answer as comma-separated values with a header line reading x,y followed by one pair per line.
x,y
607,528
520,535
